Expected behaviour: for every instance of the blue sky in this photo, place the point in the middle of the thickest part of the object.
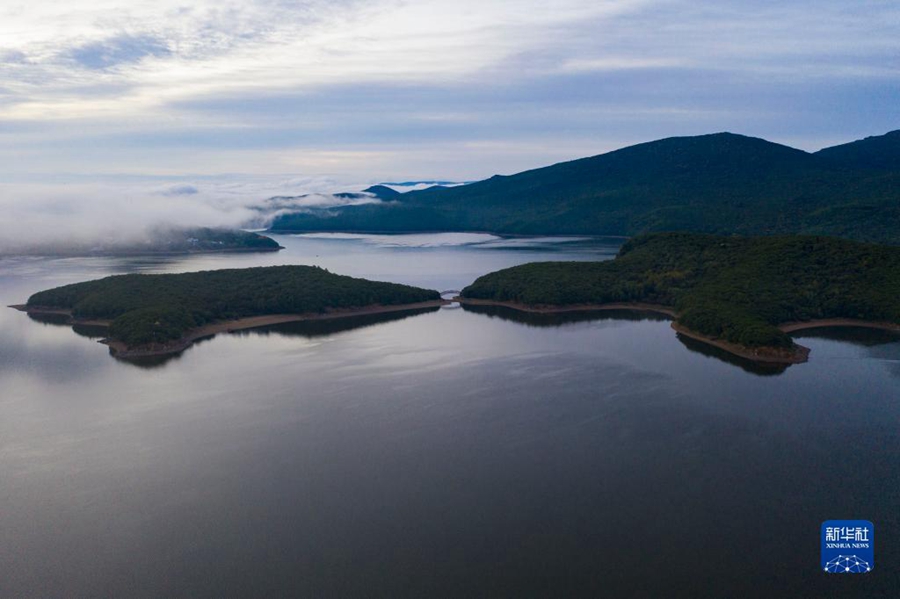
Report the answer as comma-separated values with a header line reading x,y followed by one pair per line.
x,y
343,92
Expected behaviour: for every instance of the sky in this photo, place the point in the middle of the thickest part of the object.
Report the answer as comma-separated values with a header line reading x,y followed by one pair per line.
x,y
218,103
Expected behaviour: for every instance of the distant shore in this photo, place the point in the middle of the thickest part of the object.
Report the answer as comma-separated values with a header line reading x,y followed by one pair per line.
x,y
773,355
121,350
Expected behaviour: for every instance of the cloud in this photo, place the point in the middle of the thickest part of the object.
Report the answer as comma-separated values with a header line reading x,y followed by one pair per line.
x,y
114,51
618,63
77,211
392,89
180,190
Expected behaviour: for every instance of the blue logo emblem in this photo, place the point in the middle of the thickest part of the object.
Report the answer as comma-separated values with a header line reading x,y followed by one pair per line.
x,y
848,546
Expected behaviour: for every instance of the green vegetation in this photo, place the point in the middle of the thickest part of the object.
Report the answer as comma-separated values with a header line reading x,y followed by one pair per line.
x,y
734,288
721,183
147,309
204,239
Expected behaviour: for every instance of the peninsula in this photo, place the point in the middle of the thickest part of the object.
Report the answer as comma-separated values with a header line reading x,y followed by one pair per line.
x,y
742,294
165,313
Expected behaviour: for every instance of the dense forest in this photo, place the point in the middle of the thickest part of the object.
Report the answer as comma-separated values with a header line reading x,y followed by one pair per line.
x,y
207,239
199,239
721,183
734,288
147,309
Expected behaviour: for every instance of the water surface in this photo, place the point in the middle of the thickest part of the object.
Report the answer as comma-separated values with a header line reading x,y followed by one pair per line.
x,y
448,452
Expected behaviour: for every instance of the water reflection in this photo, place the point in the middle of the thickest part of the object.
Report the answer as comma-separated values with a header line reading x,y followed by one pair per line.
x,y
152,362
432,453
881,345
861,336
711,351
878,346
91,331
321,328
304,328
60,320
557,319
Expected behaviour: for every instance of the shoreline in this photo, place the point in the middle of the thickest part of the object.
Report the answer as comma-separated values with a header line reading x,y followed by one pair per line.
x,y
796,355
121,350
438,231
790,327
551,309
770,355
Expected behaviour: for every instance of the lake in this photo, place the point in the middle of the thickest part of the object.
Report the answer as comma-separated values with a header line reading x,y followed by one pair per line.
x,y
450,452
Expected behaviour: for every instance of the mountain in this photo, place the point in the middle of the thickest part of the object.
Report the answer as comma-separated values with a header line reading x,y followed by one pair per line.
x,y
877,152
382,192
720,183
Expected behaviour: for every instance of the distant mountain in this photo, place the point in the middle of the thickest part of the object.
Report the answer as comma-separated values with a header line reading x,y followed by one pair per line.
x,y
719,183
877,152
382,192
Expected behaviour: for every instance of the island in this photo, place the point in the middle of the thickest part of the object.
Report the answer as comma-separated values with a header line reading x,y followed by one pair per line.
x,y
741,294
155,314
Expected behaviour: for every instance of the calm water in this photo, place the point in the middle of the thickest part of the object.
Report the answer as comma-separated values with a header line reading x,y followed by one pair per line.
x,y
445,453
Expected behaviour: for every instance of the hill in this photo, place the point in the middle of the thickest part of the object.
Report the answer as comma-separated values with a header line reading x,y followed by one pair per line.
x,y
383,192
720,183
877,152
735,289
157,310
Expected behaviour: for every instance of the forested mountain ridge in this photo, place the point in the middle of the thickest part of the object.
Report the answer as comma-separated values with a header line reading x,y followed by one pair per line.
x,y
719,183
876,152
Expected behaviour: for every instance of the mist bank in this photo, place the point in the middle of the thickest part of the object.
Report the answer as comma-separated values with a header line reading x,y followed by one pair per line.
x,y
69,215
161,240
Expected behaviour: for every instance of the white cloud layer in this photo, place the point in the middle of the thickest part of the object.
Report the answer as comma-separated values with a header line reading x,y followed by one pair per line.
x,y
34,217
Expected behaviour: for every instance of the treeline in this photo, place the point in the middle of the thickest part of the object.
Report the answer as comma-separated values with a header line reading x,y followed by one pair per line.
x,y
734,288
211,239
147,309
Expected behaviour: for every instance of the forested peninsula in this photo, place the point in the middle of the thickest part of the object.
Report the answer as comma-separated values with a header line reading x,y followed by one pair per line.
x,y
164,313
743,294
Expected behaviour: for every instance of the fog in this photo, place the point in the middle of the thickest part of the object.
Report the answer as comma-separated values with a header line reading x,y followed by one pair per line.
x,y
77,214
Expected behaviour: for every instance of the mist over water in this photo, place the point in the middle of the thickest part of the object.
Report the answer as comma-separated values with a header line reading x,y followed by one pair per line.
x,y
79,212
